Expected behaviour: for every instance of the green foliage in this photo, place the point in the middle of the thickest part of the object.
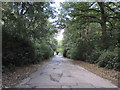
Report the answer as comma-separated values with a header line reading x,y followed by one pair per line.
x,y
93,57
65,53
91,32
42,51
59,46
28,36
75,53
46,50
17,51
109,59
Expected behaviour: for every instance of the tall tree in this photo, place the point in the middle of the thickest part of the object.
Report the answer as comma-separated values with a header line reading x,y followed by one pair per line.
x,y
91,31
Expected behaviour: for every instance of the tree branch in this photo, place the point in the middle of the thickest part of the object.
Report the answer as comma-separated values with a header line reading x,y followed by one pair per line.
x,y
110,8
89,17
110,24
113,17
85,10
92,22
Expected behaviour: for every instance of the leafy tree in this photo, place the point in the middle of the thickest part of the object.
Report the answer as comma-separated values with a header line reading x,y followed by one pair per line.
x,y
91,30
28,36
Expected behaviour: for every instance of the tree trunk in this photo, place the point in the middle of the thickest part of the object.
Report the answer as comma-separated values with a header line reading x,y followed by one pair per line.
x,y
103,25
103,17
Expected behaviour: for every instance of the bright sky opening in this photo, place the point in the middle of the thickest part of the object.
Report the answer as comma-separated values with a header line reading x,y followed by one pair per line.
x,y
59,35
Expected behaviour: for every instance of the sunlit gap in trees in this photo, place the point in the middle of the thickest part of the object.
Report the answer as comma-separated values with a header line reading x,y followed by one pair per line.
x,y
59,35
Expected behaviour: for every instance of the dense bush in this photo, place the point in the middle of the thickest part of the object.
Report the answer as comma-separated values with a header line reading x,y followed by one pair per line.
x,y
43,51
76,53
64,53
16,51
28,36
19,52
81,51
89,36
109,59
93,57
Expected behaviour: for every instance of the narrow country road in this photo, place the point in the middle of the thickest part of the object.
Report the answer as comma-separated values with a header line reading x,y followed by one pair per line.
x,y
62,73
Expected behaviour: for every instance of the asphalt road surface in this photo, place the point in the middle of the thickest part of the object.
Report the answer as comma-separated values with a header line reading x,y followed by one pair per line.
x,y
62,73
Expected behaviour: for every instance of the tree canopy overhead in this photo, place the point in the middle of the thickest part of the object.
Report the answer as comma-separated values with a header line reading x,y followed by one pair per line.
x,y
28,35
91,31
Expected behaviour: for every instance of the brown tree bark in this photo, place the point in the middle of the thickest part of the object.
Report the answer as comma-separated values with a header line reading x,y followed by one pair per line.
x,y
103,17
103,25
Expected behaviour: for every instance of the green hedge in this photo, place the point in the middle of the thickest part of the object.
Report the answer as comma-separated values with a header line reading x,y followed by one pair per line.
x,y
93,56
18,52
42,51
109,59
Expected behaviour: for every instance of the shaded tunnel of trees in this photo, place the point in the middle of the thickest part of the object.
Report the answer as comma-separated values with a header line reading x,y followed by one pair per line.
x,y
91,32
27,33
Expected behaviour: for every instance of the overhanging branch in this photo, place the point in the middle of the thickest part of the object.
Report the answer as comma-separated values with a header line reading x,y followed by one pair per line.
x,y
89,17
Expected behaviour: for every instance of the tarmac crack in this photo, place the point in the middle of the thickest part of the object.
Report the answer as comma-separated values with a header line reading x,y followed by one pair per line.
x,y
56,77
